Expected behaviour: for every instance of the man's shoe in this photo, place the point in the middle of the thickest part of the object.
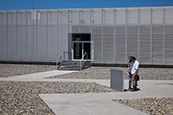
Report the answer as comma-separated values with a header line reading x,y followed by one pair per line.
x,y
134,89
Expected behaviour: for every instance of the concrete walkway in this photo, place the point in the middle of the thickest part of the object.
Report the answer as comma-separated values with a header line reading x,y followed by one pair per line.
x,y
102,104
41,76
96,103
87,104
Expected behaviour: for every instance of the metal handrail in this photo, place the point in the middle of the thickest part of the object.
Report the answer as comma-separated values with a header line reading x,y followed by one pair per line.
x,y
84,55
82,59
62,57
59,59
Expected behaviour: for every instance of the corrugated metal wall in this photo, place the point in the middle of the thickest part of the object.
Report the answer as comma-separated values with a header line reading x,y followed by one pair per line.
x,y
33,36
42,35
146,33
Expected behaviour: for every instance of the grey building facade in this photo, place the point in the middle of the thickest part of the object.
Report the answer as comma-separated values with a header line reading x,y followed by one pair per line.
x,y
107,35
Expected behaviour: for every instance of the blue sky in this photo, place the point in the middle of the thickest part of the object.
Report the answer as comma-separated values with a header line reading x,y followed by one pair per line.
x,y
65,4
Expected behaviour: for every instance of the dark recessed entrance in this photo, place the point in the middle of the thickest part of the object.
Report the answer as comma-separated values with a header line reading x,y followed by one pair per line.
x,y
81,46
81,37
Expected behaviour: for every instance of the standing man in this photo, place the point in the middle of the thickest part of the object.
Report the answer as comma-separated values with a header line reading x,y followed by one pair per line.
x,y
134,72
130,65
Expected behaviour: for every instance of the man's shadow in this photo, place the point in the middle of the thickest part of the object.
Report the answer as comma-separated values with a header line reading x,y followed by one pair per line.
x,y
137,89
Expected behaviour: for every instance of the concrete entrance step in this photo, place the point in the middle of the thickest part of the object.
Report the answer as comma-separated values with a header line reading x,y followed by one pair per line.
x,y
73,65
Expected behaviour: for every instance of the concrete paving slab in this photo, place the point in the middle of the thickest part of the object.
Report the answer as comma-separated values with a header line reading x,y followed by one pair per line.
x,y
102,104
149,88
87,104
35,76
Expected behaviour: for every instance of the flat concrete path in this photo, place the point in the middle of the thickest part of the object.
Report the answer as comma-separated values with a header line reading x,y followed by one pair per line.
x,y
87,104
41,76
102,104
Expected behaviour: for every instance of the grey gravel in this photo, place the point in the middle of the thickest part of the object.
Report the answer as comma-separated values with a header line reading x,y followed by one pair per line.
x,y
104,73
7,70
22,97
152,106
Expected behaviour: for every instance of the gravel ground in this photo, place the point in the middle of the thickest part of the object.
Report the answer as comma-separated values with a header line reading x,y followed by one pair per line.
x,y
152,106
7,70
104,73
22,97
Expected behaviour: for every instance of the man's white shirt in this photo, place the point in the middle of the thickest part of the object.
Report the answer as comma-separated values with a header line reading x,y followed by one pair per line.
x,y
135,67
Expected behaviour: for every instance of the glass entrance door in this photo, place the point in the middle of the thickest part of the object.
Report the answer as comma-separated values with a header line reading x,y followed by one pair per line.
x,y
77,50
87,50
81,48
